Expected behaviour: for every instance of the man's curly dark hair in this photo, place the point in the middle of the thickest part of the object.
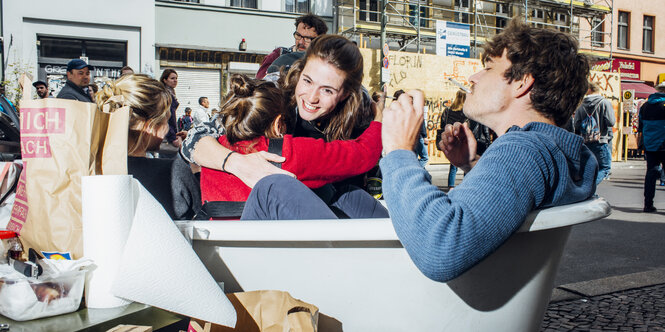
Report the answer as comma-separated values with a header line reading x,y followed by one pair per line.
x,y
313,21
552,58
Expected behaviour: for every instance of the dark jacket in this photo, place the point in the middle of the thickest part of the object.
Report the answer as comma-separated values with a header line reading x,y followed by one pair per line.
x,y
73,91
173,128
652,123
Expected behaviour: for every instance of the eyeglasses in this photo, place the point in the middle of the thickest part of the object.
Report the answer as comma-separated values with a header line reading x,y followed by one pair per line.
x,y
299,37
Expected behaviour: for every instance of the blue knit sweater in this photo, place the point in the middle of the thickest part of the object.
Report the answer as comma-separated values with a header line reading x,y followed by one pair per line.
x,y
527,168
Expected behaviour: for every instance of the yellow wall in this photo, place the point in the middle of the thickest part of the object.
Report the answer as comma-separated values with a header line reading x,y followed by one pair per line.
x,y
610,87
426,72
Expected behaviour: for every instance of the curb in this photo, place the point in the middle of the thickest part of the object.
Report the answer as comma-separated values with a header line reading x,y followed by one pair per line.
x,y
607,285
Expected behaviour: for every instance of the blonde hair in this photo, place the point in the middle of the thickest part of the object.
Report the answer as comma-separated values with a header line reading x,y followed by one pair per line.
x,y
149,104
458,103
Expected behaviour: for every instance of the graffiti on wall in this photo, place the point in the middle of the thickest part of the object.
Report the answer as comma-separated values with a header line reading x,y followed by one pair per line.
x,y
610,88
427,72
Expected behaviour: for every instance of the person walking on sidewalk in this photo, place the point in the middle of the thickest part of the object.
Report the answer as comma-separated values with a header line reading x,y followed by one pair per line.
x,y
651,128
594,120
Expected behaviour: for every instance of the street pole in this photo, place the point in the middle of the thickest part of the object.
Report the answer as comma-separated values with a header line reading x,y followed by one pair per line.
x,y
383,41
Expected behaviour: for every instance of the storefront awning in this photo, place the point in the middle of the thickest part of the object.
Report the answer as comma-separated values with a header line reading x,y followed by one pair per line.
x,y
642,91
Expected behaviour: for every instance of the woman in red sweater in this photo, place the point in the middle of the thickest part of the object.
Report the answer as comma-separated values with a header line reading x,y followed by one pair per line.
x,y
255,113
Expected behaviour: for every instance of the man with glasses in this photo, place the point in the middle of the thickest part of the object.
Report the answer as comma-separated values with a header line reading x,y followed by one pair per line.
x,y
308,27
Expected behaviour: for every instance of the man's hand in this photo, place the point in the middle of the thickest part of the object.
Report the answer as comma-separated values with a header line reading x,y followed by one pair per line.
x,y
250,168
378,105
402,121
181,134
459,145
177,142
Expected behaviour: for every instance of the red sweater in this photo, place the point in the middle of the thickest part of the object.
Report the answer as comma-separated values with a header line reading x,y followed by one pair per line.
x,y
313,161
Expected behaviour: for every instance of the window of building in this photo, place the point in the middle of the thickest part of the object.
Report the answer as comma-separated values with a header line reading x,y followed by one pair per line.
x,y
597,29
415,18
503,13
296,6
244,3
647,34
462,5
560,17
94,50
538,14
623,31
368,10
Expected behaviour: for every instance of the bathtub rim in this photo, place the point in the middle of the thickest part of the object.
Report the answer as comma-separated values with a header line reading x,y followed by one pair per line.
x,y
382,229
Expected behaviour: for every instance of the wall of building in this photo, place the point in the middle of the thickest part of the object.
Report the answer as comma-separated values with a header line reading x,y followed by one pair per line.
x,y
201,26
651,63
127,21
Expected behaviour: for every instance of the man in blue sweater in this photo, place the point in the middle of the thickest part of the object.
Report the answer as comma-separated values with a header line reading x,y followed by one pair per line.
x,y
532,82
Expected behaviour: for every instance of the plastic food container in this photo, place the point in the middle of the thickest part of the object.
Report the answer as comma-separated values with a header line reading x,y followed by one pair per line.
x,y
6,237
27,298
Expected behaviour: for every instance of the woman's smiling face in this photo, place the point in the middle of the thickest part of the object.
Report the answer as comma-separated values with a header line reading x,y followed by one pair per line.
x,y
319,89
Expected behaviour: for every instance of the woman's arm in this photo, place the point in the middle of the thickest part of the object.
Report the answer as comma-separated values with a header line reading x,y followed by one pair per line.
x,y
202,148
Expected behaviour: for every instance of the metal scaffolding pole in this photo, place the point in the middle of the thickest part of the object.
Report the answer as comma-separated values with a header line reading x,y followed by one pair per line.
x,y
475,28
611,29
383,40
418,28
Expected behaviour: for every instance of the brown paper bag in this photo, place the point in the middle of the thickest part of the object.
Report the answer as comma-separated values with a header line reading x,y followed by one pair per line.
x,y
265,311
61,141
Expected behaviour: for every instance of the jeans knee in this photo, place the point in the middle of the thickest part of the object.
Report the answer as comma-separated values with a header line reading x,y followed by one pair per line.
x,y
274,182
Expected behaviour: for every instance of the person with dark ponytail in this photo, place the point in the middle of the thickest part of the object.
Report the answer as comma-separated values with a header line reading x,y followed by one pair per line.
x,y
254,116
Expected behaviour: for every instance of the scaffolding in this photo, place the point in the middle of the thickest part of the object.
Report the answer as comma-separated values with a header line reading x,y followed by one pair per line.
x,y
411,24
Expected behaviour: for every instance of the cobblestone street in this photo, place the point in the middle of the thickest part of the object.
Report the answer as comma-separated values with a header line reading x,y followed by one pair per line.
x,y
632,310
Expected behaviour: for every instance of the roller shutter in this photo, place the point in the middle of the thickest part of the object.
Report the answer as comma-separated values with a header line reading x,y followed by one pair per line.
x,y
194,83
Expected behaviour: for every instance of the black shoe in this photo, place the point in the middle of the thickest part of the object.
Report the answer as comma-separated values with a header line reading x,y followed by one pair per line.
x,y
649,209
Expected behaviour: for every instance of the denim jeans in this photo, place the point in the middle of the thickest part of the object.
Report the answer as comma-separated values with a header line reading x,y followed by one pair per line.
x,y
654,160
451,176
281,197
602,153
421,151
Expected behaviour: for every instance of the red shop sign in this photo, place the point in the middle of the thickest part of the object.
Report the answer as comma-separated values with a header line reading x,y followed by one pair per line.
x,y
630,69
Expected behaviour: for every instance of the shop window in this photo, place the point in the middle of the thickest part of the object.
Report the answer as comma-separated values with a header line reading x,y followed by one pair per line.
x,y
368,10
105,50
244,3
94,50
597,32
623,31
60,48
296,6
647,34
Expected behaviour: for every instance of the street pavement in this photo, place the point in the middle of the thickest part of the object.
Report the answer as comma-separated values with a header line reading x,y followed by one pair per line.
x,y
612,272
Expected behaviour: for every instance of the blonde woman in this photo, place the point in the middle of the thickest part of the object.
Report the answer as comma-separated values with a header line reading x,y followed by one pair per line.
x,y
169,180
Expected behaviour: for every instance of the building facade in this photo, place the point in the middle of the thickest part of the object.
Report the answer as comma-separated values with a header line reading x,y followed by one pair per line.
x,y
201,39
41,36
631,36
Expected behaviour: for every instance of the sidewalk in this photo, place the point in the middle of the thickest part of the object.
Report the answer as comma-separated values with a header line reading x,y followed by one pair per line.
x,y
612,275
632,302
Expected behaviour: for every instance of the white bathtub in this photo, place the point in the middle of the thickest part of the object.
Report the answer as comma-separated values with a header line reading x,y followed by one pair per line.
x,y
362,279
